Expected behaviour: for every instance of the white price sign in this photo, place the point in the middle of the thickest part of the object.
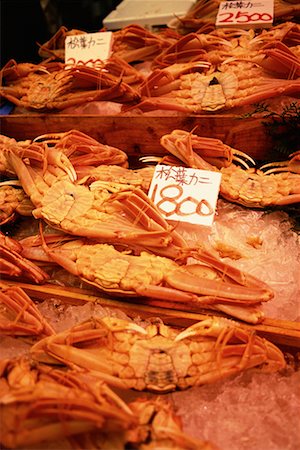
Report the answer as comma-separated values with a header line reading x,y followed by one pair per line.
x,y
246,14
89,49
185,194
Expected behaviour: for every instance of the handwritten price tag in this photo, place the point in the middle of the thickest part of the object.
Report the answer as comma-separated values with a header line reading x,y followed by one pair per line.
x,y
246,14
185,194
89,49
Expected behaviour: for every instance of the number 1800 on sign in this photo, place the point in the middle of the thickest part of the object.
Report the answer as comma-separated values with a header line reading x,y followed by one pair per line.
x,y
185,194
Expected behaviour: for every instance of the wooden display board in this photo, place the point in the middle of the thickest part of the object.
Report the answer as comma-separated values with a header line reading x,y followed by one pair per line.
x,y
140,135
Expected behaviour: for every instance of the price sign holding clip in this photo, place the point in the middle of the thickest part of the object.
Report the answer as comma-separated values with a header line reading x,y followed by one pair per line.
x,y
88,49
185,194
246,14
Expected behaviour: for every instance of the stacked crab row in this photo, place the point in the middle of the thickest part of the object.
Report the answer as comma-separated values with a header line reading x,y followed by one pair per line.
x,y
201,72
111,236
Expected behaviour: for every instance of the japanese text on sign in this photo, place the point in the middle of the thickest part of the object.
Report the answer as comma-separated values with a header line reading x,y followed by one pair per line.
x,y
246,13
185,194
89,49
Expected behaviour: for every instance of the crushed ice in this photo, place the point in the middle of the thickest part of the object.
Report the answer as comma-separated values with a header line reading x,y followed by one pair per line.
x,y
260,243
250,412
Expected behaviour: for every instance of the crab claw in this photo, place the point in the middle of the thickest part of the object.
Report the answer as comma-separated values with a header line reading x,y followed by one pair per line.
x,y
290,165
226,332
57,158
208,327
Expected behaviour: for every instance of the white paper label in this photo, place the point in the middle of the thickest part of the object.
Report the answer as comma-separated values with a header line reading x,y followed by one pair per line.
x,y
89,49
246,14
185,194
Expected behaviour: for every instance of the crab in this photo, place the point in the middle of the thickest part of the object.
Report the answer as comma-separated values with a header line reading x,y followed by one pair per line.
x,y
40,405
273,184
123,215
51,88
136,43
232,84
158,358
82,150
125,273
13,202
55,46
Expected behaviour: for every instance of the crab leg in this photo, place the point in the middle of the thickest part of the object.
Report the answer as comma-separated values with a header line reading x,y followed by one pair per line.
x,y
250,291
154,84
13,264
23,171
201,152
279,58
83,149
268,89
20,315
213,328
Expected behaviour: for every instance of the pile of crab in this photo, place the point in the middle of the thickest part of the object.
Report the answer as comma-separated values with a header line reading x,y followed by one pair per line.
x,y
206,70
94,219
